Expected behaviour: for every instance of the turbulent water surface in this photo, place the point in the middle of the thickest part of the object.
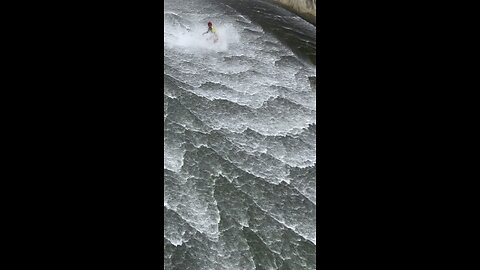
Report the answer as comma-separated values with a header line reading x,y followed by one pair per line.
x,y
240,137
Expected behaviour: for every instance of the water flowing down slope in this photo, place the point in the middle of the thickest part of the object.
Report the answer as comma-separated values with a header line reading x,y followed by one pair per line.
x,y
240,141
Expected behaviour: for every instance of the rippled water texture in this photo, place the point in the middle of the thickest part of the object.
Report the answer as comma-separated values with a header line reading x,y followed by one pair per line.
x,y
240,141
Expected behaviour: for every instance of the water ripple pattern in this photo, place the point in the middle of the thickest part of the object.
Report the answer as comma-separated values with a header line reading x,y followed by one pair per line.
x,y
240,144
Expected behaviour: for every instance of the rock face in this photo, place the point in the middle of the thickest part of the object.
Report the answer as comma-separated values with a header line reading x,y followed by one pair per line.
x,y
307,9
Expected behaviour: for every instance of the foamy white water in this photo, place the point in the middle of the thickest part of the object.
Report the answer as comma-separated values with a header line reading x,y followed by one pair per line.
x,y
240,149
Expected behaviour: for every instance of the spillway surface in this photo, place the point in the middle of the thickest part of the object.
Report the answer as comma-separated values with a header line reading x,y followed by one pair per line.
x,y
240,141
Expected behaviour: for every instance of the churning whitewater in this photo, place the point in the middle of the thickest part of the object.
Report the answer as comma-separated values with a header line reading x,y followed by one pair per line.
x,y
240,144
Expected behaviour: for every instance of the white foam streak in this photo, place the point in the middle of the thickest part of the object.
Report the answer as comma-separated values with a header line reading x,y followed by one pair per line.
x,y
196,41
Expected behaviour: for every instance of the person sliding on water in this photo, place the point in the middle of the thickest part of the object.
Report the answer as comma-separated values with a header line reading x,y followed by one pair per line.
x,y
213,31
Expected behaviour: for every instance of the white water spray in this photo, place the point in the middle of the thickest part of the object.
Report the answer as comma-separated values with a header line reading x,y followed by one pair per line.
x,y
193,39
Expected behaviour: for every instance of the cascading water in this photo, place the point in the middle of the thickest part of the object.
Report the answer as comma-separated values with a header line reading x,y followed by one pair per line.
x,y
240,142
